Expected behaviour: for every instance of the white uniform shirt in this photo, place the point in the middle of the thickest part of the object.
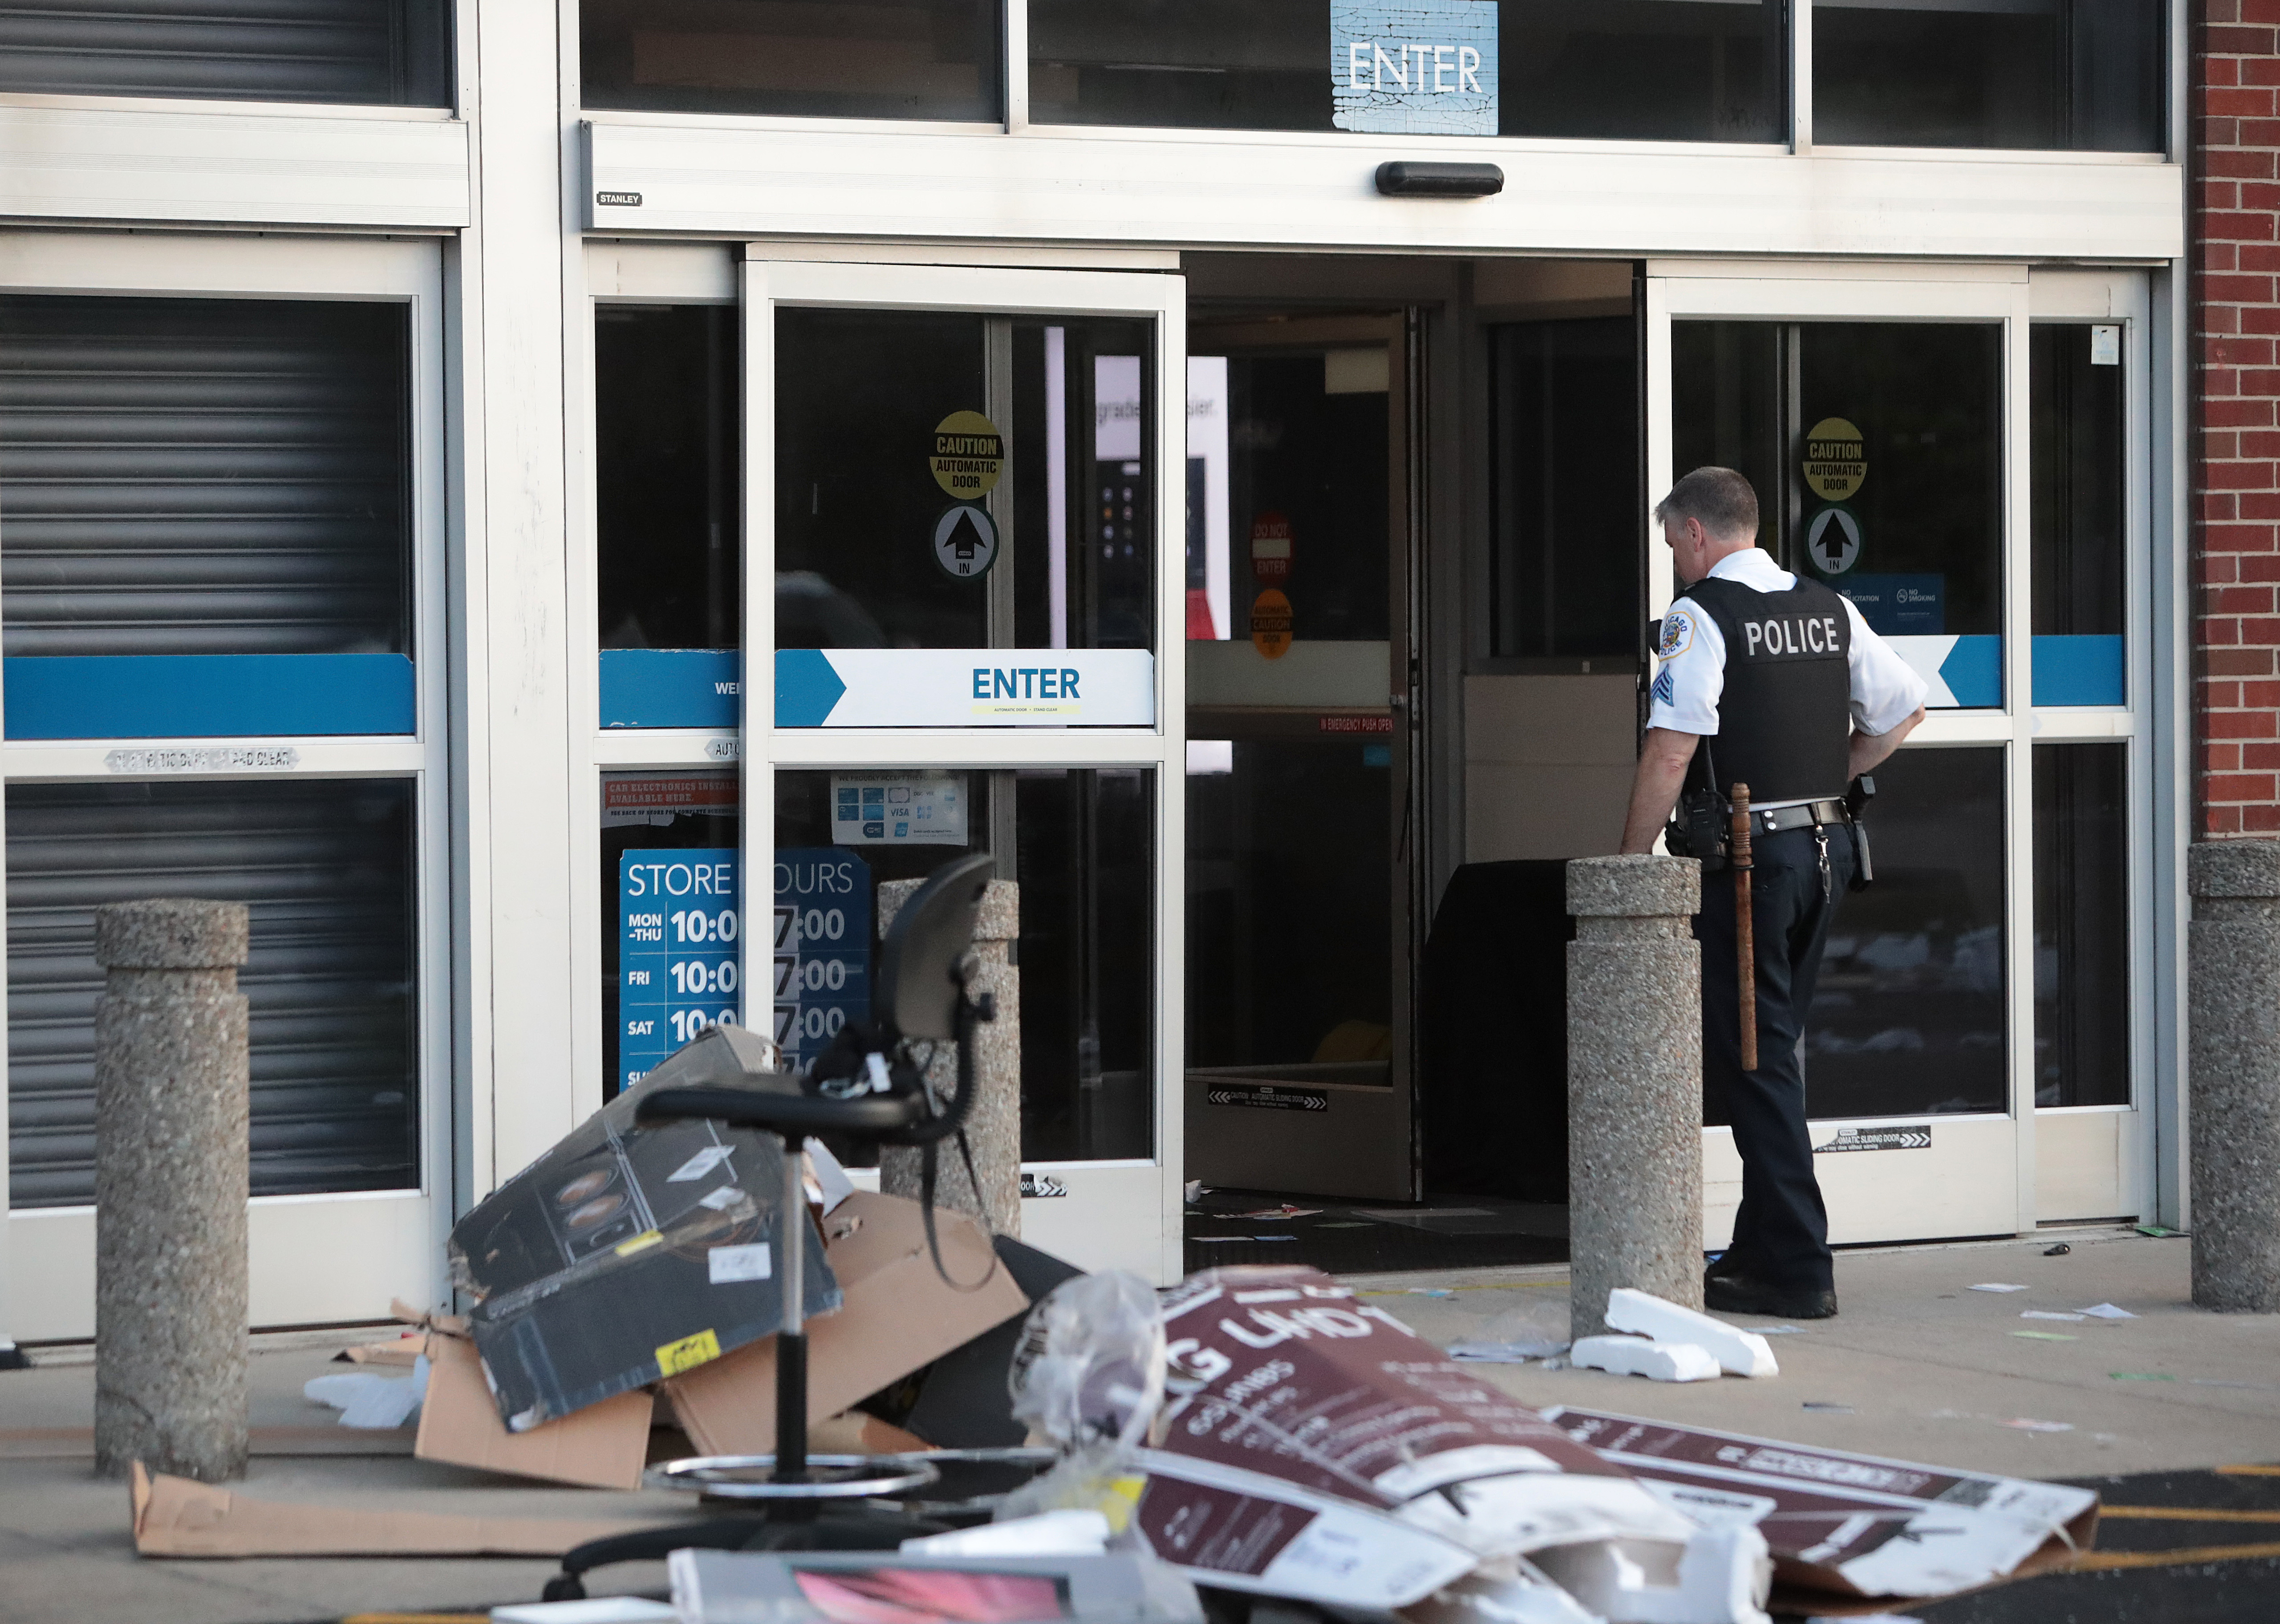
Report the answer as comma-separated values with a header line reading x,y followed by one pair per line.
x,y
1885,693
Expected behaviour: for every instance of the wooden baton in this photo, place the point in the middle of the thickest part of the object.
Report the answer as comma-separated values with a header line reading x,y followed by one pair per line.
x,y
1745,941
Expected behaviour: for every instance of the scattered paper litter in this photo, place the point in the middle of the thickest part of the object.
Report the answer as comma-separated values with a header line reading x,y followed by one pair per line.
x,y
2045,1336
2050,1313
1993,1286
1192,1190
1274,1237
1073,1532
1503,1352
2107,1311
1285,1210
1214,1240
2024,1425
1427,1291
1635,1356
1738,1352
1346,1223
597,1610
1781,1330
375,1402
2155,1230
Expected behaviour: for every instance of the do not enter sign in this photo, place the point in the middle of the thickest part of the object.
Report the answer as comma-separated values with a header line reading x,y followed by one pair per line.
x,y
1270,548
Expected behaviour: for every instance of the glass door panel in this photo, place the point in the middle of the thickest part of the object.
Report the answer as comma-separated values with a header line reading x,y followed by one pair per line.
x,y
959,535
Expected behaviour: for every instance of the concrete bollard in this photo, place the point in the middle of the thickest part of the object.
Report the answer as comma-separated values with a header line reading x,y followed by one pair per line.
x,y
2233,978
1633,1083
995,1129
170,1173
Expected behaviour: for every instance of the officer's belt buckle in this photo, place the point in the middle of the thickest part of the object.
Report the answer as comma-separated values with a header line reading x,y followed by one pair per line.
x,y
1815,813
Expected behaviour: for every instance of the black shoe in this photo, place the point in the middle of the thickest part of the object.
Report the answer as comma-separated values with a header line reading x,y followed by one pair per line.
x,y
1737,1294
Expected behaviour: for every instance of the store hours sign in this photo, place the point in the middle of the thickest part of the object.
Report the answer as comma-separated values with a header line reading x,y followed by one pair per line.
x,y
678,961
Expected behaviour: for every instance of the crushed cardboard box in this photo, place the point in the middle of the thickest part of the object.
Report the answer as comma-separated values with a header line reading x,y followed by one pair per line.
x,y
896,1315
174,1517
602,1446
631,1252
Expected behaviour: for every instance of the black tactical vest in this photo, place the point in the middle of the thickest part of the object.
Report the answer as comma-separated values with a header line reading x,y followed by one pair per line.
x,y
1785,719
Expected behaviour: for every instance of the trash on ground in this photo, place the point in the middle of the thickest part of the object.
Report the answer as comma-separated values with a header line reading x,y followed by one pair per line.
x,y
1738,1352
2148,1375
174,1517
1859,1525
1829,1409
896,1316
2155,1230
1781,1330
1503,1352
2024,1425
602,1446
1216,1240
367,1399
2046,1336
2060,1250
1346,1223
1284,1210
1193,1190
1427,1291
1641,1356
2107,1311
2050,1313
402,1350
1994,1286
1312,1447
595,1610
814,1586
1073,1533
596,1270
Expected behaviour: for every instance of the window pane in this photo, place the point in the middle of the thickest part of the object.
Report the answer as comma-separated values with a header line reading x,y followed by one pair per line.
x,y
1908,1019
204,476
332,984
861,396
891,59
2084,74
378,52
1081,844
1677,70
665,426
1563,443
1876,450
2082,925
2081,453
1289,919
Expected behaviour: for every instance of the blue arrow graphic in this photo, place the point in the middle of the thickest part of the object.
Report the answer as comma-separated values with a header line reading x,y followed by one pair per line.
x,y
806,688
1973,671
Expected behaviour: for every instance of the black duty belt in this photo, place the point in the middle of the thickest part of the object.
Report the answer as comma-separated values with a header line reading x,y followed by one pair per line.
x,y
1802,815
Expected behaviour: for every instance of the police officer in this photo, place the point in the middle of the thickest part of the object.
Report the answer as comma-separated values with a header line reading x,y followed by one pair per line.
x,y
1773,681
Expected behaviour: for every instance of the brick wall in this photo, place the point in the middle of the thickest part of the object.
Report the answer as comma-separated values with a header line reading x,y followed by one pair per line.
x,y
2235,203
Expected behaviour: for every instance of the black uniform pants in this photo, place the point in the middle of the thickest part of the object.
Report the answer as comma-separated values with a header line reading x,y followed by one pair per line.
x,y
1781,1234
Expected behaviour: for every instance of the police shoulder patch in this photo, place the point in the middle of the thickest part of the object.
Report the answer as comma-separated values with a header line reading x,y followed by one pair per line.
x,y
1677,635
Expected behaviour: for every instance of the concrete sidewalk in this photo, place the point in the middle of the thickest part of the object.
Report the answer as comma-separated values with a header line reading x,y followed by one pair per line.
x,y
1919,1365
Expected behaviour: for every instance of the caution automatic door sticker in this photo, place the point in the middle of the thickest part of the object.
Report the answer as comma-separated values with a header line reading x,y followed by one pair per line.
x,y
969,454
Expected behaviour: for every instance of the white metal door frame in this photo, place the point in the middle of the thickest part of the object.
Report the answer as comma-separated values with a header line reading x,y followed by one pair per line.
x,y
1978,1176
314,1258
1121,1213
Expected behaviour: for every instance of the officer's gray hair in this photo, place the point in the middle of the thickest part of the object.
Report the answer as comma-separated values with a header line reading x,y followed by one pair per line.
x,y
1719,497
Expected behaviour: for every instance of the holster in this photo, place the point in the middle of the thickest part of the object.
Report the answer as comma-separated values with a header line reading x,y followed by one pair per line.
x,y
1698,829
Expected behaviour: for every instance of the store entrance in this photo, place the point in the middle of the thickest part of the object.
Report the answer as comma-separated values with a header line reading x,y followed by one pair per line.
x,y
1299,753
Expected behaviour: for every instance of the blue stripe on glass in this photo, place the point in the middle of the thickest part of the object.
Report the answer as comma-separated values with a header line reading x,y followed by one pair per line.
x,y
672,688
207,695
2079,671
807,688
1973,672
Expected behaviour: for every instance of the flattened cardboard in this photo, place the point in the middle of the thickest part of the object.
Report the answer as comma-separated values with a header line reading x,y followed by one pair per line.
x,y
1860,1528
898,1314
174,1517
603,1446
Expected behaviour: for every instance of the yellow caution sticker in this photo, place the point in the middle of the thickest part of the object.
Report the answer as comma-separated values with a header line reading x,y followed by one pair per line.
x,y
1836,459
642,1242
969,454
688,1353
1270,623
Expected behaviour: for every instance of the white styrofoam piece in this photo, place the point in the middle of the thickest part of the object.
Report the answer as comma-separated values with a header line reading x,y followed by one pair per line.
x,y
1738,1352
1636,1356
1073,1532
1722,1577
2107,1311
595,1610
